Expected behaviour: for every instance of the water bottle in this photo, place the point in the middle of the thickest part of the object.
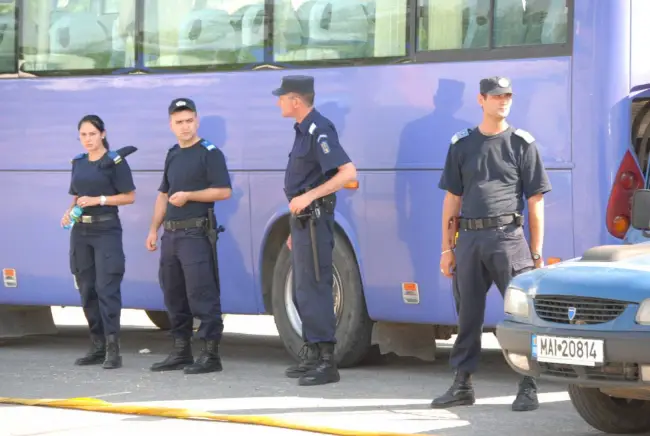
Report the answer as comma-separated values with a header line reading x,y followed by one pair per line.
x,y
75,214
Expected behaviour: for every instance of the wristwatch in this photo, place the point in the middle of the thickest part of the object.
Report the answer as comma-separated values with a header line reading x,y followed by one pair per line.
x,y
536,256
102,200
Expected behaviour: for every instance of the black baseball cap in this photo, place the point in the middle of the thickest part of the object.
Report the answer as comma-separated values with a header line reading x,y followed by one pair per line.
x,y
299,84
496,86
179,104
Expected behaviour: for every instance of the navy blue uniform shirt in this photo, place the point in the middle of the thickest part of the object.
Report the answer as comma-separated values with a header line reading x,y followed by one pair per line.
x,y
89,179
200,166
493,173
315,156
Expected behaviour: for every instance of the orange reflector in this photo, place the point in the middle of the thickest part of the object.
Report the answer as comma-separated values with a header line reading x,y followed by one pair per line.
x,y
9,272
9,278
621,223
352,185
552,260
411,287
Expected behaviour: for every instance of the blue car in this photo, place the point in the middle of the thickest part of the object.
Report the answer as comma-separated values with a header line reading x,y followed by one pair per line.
x,y
586,322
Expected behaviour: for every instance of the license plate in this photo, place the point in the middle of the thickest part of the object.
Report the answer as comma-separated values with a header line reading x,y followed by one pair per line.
x,y
571,351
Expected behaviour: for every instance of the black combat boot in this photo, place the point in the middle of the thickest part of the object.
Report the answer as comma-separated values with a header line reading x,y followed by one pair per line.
x,y
461,393
526,396
325,371
113,358
208,361
95,355
179,358
309,359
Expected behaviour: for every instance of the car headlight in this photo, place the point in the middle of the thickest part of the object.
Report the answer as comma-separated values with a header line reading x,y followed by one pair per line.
x,y
516,302
643,314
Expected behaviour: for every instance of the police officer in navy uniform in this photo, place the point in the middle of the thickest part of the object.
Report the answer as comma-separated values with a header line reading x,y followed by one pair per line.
x,y
195,176
488,172
317,168
101,180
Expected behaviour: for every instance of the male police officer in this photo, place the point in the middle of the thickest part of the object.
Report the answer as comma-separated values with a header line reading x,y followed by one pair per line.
x,y
194,177
488,171
317,168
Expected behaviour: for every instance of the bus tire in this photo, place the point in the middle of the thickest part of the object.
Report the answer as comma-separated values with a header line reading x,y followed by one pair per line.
x,y
160,319
609,414
354,326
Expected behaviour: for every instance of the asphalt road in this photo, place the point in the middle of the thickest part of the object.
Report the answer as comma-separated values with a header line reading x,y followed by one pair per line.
x,y
391,396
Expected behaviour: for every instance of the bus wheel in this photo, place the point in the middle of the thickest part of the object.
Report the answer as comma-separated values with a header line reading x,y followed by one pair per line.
x,y
353,326
610,414
159,319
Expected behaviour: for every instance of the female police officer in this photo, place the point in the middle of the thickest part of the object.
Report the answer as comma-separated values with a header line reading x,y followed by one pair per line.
x,y
101,180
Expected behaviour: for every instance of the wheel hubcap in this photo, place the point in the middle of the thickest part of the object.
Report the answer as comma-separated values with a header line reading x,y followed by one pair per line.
x,y
292,312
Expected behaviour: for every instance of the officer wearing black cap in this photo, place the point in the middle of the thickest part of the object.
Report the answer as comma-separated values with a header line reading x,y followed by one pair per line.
x,y
488,172
194,177
317,168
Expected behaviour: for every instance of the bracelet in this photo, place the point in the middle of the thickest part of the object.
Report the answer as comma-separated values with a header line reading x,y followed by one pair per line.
x,y
447,251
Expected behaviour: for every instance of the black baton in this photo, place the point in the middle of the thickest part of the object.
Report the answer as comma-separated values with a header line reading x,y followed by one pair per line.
x,y
213,235
315,214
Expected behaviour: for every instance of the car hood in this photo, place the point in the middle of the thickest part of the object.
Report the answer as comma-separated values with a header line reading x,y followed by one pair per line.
x,y
620,275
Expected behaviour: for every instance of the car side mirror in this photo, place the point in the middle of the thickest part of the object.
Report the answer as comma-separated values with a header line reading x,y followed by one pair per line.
x,y
641,209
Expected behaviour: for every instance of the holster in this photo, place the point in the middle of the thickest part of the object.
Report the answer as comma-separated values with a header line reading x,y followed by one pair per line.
x,y
213,230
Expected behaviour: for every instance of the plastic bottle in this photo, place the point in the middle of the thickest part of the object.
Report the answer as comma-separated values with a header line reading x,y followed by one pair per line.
x,y
75,214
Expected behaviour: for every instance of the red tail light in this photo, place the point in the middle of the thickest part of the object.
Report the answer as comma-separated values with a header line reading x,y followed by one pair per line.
x,y
628,179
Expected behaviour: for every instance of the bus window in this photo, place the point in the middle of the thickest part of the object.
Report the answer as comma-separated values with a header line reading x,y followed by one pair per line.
x,y
530,22
73,35
7,37
310,30
454,24
203,32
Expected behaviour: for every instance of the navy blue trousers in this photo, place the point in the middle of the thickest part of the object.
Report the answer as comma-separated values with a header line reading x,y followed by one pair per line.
x,y
189,285
314,300
483,257
98,264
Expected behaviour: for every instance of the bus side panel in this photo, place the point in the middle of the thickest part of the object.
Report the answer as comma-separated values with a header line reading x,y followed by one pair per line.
x,y
37,247
600,114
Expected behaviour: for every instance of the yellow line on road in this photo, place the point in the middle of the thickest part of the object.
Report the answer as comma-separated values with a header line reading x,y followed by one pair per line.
x,y
97,405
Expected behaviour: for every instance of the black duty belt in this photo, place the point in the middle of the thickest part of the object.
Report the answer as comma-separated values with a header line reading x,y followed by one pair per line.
x,y
191,223
489,223
90,219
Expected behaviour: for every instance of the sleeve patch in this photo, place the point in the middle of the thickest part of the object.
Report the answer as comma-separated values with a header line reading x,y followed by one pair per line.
x,y
460,135
525,136
323,144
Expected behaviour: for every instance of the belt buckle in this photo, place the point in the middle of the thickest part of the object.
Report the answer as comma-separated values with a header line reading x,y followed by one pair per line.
x,y
86,219
478,224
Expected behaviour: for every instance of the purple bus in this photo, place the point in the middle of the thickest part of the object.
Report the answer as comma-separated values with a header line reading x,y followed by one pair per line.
x,y
397,77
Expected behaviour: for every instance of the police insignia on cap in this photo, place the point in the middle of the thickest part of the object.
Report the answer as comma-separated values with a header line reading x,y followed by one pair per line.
x,y
181,103
503,82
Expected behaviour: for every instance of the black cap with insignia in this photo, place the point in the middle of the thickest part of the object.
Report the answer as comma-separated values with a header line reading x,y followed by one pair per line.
x,y
179,104
299,84
496,86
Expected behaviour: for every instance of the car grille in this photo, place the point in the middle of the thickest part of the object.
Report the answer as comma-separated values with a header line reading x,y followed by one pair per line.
x,y
618,372
587,310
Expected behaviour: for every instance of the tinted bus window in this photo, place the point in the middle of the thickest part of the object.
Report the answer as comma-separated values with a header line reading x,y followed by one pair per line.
x,y
450,25
311,30
188,33
465,24
7,36
536,22
77,35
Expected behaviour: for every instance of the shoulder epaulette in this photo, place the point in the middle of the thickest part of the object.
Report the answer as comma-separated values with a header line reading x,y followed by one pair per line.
x,y
115,157
208,145
460,135
525,135
312,128
77,157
